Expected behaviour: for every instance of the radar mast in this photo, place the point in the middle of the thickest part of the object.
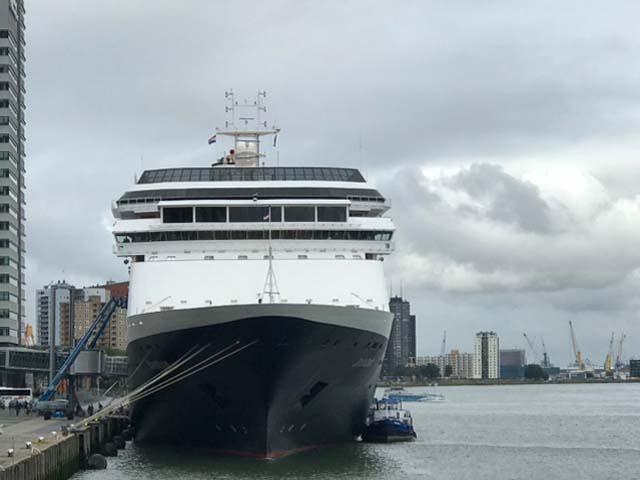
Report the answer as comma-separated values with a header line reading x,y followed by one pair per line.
x,y
246,127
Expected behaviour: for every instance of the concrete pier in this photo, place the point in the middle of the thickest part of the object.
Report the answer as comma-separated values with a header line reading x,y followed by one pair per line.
x,y
55,457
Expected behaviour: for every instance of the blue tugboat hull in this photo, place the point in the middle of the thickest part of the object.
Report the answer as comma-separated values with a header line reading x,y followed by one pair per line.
x,y
388,431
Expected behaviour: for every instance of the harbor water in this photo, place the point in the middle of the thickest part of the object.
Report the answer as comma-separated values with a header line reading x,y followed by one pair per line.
x,y
478,432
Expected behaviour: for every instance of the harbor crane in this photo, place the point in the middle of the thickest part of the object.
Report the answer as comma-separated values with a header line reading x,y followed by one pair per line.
x,y
576,349
443,348
536,355
608,361
619,355
545,357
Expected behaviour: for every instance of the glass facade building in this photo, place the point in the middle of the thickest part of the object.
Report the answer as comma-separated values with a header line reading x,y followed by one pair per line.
x,y
12,169
401,348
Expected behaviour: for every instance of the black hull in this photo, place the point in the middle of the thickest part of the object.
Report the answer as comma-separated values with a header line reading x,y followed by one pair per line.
x,y
301,385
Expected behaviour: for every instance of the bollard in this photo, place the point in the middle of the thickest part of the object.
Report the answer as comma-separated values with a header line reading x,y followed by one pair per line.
x,y
109,450
119,442
96,462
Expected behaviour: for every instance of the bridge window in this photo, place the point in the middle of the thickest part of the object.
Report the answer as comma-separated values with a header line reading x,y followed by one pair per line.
x,y
254,214
177,214
299,214
211,214
332,214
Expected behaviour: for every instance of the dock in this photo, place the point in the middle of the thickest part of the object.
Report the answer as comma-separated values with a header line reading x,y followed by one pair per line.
x,y
53,455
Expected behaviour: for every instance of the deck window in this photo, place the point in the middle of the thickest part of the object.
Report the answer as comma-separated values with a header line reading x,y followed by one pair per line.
x,y
351,235
211,214
332,214
177,215
299,214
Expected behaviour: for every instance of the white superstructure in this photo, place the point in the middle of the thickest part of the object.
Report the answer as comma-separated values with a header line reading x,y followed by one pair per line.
x,y
200,238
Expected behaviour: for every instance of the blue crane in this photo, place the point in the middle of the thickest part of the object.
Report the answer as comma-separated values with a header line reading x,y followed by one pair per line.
x,y
97,327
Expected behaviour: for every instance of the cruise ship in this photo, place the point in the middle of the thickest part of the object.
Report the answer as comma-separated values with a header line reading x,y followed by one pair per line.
x,y
281,267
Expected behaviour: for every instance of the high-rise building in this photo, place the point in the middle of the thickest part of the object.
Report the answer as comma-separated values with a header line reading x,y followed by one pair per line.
x,y
461,363
77,317
401,348
12,280
50,309
512,363
486,359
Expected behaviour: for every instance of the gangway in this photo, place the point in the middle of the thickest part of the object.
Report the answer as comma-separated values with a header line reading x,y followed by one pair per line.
x,y
95,330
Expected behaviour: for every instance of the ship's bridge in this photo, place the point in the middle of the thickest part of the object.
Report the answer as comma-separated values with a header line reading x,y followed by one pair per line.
x,y
247,183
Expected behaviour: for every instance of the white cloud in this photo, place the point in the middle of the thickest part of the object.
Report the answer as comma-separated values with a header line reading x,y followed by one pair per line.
x,y
475,233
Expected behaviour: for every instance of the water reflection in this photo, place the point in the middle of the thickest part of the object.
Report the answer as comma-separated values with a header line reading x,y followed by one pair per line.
x,y
152,462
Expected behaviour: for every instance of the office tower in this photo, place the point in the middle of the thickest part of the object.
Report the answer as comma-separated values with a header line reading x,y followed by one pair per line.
x,y
401,349
512,362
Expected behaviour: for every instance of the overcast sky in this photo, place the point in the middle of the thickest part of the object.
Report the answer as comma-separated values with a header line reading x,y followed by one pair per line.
x,y
505,135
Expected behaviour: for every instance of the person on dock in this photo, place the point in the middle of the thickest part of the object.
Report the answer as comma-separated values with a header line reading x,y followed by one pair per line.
x,y
18,406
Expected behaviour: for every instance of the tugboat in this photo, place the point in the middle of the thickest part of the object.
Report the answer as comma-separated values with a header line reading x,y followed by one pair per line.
x,y
389,422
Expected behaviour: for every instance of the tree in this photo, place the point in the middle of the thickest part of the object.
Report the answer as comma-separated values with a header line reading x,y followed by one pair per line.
x,y
448,370
430,371
535,372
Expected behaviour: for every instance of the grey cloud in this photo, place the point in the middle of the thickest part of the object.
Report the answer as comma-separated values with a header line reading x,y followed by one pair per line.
x,y
509,200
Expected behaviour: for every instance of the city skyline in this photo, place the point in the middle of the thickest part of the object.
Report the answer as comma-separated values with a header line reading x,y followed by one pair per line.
x,y
515,202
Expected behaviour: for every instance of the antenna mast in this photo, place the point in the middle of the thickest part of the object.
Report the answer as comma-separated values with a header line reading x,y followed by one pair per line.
x,y
270,285
246,127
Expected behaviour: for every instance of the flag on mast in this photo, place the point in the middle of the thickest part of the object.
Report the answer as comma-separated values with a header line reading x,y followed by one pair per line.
x,y
212,139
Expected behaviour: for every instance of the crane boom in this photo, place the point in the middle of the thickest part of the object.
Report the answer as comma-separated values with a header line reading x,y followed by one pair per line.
x,y
545,356
95,330
608,361
532,347
619,355
576,350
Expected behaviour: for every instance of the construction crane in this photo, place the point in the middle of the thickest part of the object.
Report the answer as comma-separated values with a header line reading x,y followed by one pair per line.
x,y
608,361
576,350
545,356
29,340
536,356
443,348
619,355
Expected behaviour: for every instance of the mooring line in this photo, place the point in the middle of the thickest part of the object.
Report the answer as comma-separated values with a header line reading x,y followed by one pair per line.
x,y
183,375
146,389
179,374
